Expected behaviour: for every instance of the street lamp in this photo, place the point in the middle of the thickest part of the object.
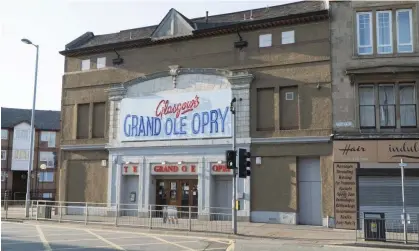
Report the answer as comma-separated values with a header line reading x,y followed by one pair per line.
x,y
28,184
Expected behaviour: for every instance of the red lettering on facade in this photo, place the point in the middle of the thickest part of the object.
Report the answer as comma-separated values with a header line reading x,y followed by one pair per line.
x,y
134,169
125,169
164,108
193,168
220,168
184,168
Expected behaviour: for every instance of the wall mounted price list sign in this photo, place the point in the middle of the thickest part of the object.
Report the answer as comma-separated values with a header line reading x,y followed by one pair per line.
x,y
345,195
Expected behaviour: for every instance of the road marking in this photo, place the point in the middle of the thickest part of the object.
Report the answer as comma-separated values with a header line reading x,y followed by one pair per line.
x,y
104,240
170,242
231,246
136,233
42,237
157,243
105,246
213,249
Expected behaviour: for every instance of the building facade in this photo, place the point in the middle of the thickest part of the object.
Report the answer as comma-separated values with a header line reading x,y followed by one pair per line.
x,y
375,73
275,61
15,147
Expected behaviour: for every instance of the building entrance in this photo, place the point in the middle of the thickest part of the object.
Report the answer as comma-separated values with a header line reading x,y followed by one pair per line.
x,y
181,194
19,185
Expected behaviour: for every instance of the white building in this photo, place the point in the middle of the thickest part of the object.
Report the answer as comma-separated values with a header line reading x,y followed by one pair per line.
x,y
167,140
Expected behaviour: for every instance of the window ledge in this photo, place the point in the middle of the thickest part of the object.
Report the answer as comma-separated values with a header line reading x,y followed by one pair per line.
x,y
394,55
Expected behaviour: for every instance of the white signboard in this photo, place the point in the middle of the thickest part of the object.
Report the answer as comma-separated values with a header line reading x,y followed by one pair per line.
x,y
220,169
176,116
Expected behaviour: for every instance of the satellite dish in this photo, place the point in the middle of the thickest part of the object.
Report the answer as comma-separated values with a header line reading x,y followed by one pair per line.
x,y
43,166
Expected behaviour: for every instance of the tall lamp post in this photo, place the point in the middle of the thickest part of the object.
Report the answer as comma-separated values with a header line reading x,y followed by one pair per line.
x,y
28,184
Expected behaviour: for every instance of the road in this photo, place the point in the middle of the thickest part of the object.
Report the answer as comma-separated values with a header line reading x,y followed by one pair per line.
x,y
49,237
53,237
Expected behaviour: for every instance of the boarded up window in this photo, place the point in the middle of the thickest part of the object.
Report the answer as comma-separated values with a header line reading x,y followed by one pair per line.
x,y
98,120
265,109
289,118
83,121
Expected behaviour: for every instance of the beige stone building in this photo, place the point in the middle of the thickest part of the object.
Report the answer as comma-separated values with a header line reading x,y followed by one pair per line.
x,y
375,75
144,118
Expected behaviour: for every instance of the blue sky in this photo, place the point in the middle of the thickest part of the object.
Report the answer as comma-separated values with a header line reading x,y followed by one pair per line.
x,y
54,23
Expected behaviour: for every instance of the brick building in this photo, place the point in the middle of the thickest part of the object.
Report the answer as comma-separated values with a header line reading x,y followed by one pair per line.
x,y
375,73
123,140
15,147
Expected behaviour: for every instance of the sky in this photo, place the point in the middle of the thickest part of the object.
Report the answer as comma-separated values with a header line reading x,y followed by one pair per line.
x,y
53,23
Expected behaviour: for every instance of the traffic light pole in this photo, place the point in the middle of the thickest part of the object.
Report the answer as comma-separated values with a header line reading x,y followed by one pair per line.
x,y
234,209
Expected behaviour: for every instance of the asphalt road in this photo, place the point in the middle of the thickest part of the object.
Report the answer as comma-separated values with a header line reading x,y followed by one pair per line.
x,y
42,237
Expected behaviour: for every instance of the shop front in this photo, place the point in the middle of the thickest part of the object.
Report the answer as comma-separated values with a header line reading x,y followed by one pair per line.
x,y
171,139
367,177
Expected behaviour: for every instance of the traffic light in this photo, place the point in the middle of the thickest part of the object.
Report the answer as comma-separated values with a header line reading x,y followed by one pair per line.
x,y
231,159
244,163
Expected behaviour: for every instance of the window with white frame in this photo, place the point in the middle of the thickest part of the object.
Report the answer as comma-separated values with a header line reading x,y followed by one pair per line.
x,y
21,134
364,28
48,137
21,154
408,105
47,158
3,154
4,133
47,195
101,63
46,177
85,64
404,30
384,33
265,40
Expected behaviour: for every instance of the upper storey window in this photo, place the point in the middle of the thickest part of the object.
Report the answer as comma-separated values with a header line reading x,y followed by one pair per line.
x,y
376,33
85,65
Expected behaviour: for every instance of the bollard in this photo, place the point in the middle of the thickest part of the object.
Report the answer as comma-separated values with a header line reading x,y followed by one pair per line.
x,y
6,208
60,213
150,222
190,219
116,214
87,212
37,210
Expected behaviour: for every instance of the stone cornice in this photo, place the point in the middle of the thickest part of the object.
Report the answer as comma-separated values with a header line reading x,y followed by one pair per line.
x,y
116,92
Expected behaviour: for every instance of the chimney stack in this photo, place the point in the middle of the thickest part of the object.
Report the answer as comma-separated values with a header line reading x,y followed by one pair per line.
x,y
206,17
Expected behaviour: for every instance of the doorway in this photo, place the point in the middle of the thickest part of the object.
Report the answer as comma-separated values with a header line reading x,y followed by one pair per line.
x,y
181,194
309,192
19,185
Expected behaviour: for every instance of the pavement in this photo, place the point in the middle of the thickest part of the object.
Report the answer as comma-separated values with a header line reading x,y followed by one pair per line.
x,y
274,245
32,236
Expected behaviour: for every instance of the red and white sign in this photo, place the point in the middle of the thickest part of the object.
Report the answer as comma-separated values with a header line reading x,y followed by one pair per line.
x,y
220,169
131,169
174,169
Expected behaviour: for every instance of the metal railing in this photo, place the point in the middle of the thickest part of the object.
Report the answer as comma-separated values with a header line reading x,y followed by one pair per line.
x,y
152,216
388,230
